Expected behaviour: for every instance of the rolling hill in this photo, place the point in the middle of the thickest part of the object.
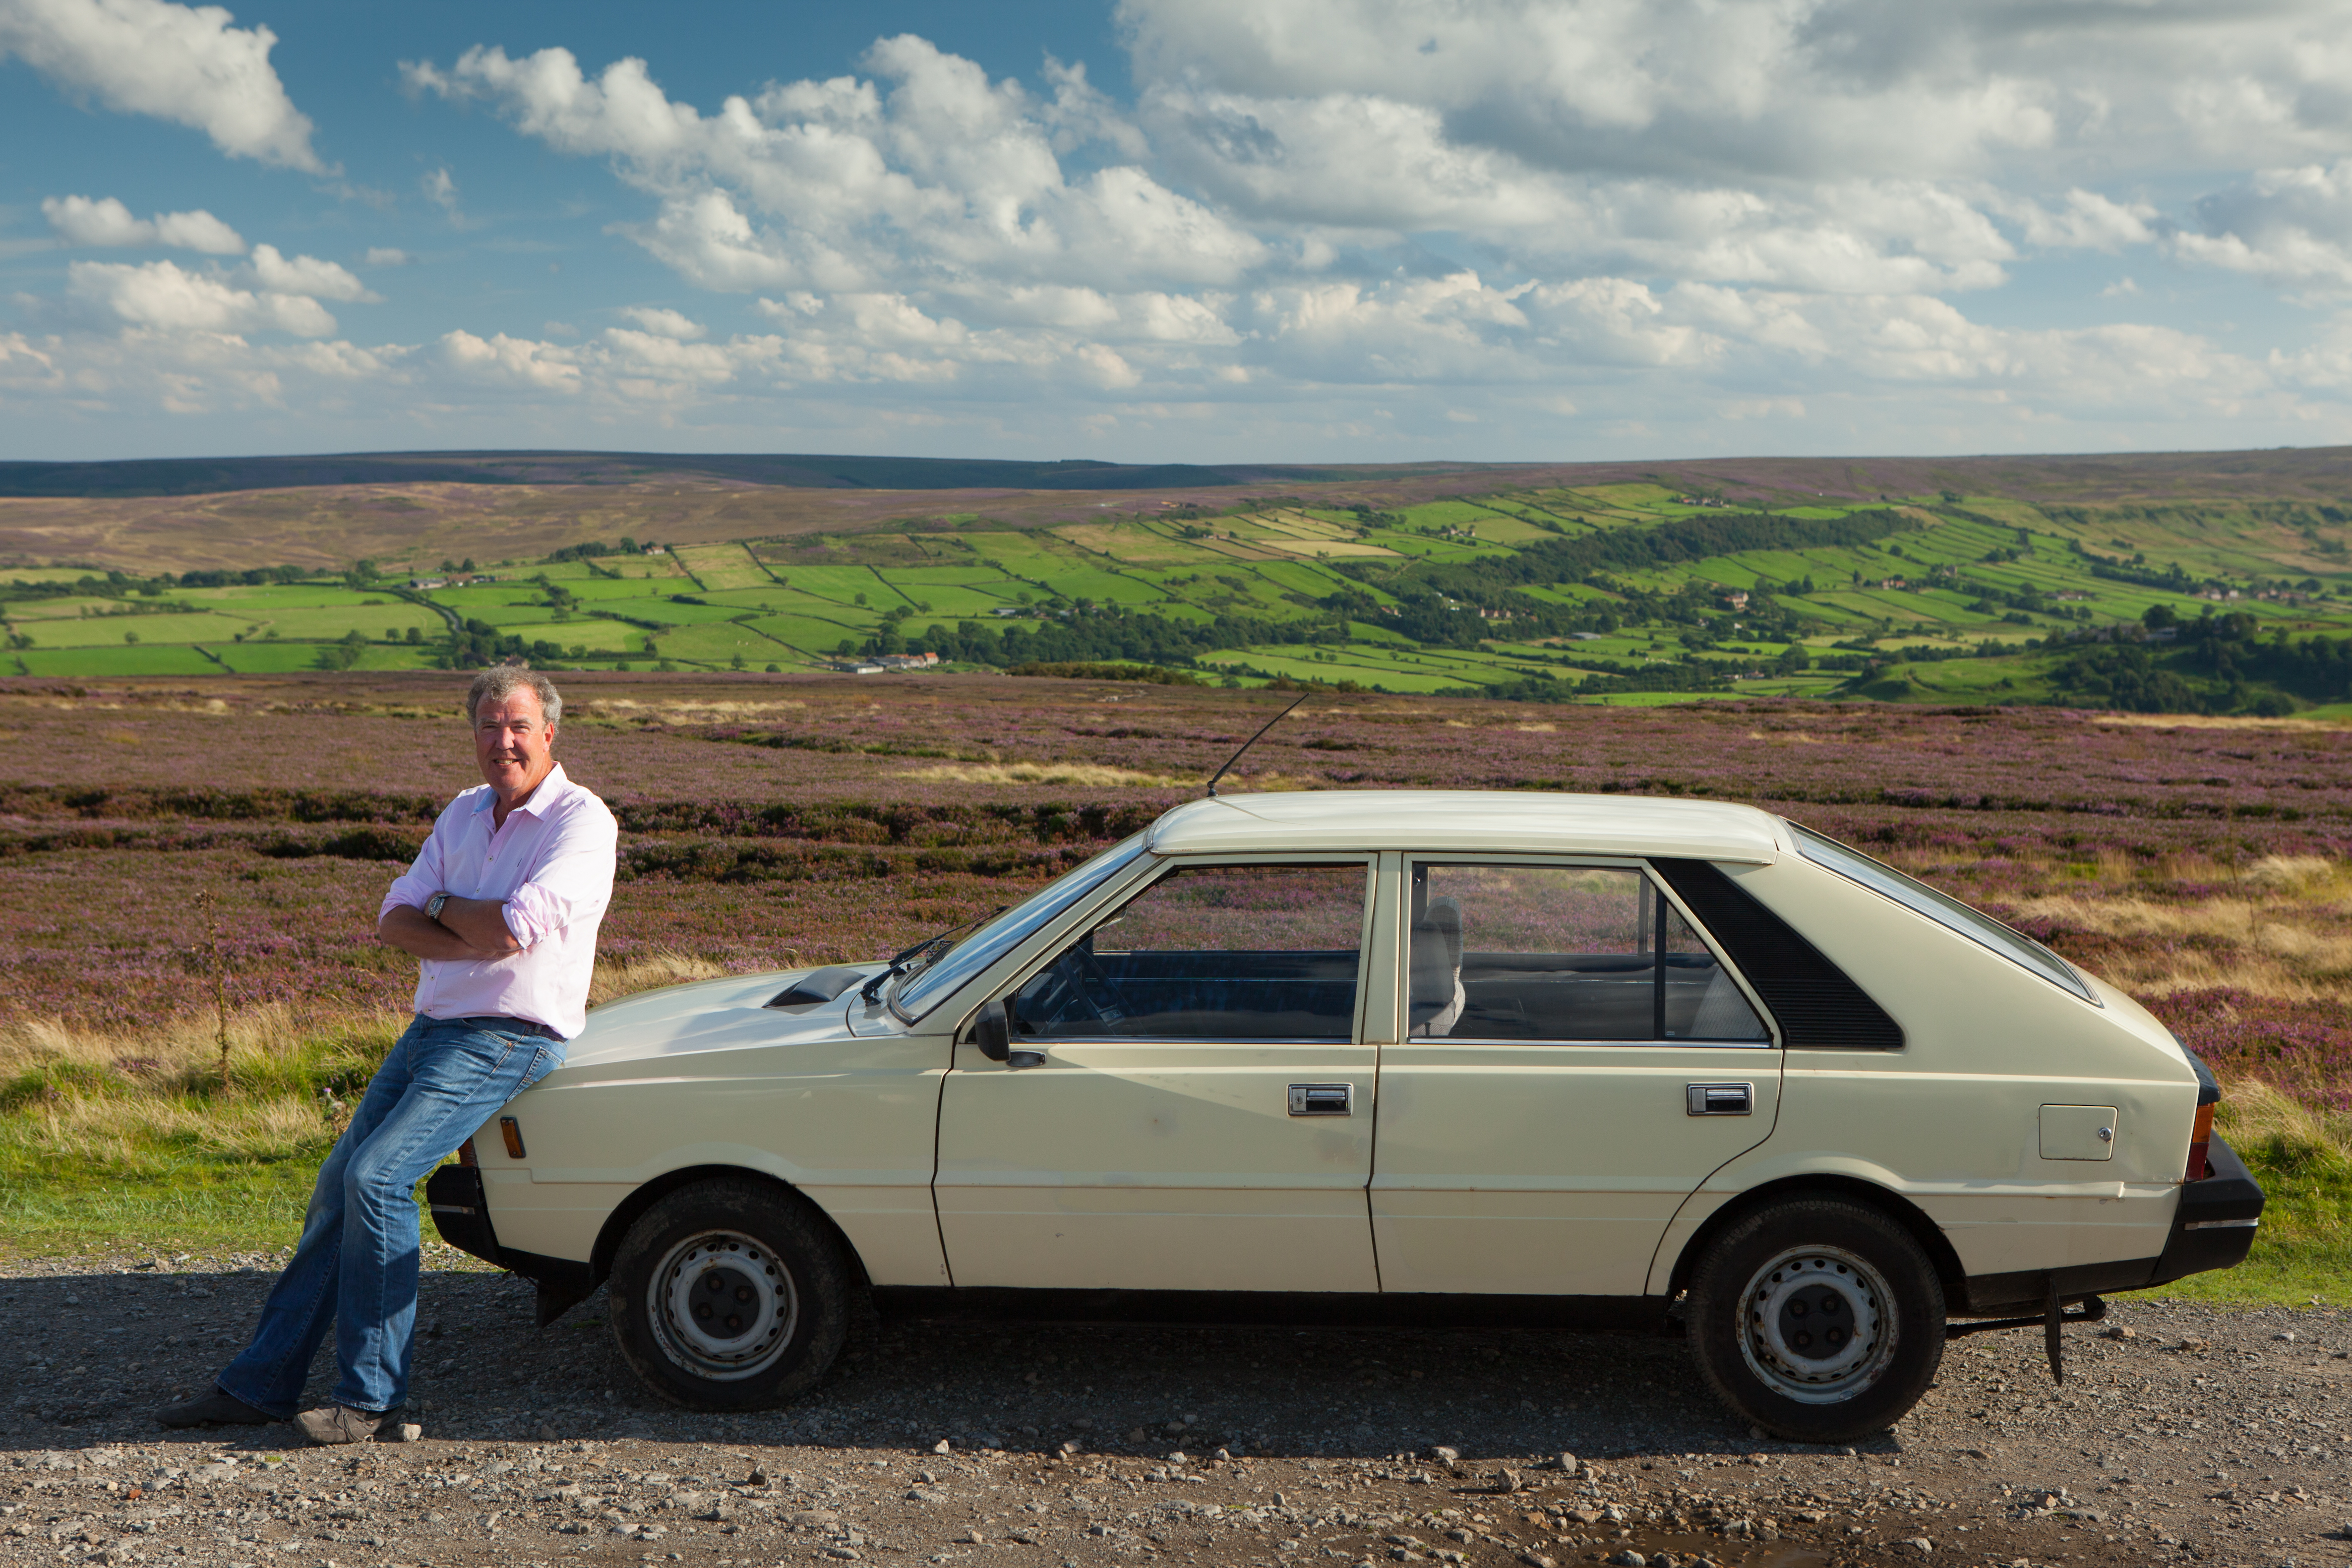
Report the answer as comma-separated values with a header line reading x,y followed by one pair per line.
x,y
2210,583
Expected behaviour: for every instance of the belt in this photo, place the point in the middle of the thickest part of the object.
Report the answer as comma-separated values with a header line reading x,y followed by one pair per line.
x,y
505,1025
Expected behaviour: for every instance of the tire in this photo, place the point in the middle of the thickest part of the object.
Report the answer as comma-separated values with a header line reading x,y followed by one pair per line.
x,y
1818,1320
730,1295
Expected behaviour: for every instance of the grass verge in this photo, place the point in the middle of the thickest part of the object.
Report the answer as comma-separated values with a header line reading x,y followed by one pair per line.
x,y
111,1147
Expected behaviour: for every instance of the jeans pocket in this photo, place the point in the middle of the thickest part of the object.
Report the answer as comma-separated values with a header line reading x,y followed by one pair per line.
x,y
543,1062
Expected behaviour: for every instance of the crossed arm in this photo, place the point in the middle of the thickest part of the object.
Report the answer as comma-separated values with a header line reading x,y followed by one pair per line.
x,y
467,929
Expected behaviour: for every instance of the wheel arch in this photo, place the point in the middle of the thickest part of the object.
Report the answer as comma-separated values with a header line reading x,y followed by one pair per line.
x,y
1895,1206
629,1209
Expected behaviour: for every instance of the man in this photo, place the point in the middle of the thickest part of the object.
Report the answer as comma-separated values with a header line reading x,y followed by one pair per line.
x,y
502,906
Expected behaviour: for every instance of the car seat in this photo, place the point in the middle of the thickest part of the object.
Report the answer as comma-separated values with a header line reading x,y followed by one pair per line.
x,y
1436,998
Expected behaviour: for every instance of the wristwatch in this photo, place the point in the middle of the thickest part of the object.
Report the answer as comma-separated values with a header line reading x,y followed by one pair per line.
x,y
433,905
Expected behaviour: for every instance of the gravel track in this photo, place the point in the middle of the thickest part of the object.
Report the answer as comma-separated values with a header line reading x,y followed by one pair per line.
x,y
2206,1435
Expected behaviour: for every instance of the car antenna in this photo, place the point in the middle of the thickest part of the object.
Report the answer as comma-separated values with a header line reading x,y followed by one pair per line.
x,y
1252,741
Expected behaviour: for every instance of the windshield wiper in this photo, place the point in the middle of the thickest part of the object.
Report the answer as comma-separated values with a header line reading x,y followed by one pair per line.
x,y
901,964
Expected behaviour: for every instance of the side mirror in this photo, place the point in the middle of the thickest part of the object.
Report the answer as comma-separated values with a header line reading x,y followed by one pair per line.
x,y
991,1031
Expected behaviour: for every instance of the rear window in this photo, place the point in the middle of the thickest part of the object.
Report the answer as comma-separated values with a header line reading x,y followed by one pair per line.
x,y
1941,908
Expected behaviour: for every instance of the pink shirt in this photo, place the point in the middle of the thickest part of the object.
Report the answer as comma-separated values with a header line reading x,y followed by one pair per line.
x,y
552,866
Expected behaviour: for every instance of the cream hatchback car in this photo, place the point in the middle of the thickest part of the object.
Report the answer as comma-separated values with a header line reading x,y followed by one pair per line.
x,y
1386,1056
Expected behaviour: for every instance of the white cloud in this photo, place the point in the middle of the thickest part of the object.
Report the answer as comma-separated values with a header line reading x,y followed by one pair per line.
x,y
1339,224
927,167
160,294
662,322
107,222
198,230
180,63
386,255
514,362
2289,225
441,189
306,275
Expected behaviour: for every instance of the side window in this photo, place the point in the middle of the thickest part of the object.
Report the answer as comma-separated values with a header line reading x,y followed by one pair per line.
x,y
1561,952
1210,952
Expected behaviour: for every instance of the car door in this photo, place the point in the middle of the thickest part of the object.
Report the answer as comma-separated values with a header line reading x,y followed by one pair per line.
x,y
1576,1060
1198,1115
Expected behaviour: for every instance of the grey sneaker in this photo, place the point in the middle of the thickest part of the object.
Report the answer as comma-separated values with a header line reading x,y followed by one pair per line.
x,y
333,1424
219,1406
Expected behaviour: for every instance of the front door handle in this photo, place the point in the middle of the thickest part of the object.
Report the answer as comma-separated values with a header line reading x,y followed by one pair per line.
x,y
1322,1099
1719,1098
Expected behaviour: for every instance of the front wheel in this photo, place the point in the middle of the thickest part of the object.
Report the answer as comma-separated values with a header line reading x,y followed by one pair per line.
x,y
730,1295
1820,1319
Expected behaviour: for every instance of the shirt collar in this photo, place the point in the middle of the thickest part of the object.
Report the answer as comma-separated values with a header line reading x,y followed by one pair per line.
x,y
537,804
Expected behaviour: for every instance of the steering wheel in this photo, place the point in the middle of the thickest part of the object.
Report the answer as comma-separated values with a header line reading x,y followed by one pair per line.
x,y
1099,987
1074,988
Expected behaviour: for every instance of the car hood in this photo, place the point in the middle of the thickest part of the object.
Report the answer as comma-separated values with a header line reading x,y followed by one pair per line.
x,y
705,1016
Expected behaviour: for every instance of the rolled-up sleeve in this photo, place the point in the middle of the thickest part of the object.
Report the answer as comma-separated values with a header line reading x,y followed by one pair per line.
x,y
416,886
573,878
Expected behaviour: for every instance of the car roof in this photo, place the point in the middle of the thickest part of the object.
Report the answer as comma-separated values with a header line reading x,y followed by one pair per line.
x,y
1528,821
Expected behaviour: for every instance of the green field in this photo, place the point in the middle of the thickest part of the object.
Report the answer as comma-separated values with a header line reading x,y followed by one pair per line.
x,y
1614,593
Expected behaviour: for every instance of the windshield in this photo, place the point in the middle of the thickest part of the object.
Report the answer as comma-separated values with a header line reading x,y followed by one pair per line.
x,y
1941,908
918,993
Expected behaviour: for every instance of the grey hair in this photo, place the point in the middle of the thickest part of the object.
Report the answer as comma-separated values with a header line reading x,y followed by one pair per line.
x,y
501,681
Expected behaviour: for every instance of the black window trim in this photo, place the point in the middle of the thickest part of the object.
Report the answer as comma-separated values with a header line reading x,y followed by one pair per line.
x,y
1815,1005
1663,889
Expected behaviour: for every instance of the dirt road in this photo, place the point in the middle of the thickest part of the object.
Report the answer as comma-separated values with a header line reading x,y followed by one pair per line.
x,y
2182,1434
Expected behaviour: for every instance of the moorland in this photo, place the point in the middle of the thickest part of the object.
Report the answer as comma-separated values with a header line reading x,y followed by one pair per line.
x,y
190,869
2217,584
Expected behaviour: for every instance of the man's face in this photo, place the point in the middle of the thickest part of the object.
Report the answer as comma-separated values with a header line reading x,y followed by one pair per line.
x,y
513,742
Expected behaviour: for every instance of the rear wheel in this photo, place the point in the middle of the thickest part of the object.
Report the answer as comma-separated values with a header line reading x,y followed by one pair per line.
x,y
1818,1320
730,1295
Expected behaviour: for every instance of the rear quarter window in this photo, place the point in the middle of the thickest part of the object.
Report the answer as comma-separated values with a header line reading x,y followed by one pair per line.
x,y
1942,908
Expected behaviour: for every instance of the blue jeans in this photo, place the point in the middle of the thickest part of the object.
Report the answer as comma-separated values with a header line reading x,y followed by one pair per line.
x,y
356,1263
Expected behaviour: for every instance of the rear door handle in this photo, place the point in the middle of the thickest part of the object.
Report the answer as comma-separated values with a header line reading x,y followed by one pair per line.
x,y
1719,1098
1322,1099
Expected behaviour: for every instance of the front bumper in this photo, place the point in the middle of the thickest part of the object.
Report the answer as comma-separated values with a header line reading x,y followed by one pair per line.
x,y
461,1212
2213,1228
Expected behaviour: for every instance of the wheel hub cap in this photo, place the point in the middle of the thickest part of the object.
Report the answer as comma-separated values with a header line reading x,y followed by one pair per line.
x,y
1818,1325
723,1306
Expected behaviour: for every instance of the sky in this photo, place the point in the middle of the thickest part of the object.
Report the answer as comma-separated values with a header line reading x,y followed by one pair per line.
x,y
1176,230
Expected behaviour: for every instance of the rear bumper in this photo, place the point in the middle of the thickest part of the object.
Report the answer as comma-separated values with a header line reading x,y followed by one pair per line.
x,y
2213,1228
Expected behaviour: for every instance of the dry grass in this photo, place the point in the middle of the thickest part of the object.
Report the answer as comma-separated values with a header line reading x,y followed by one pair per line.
x,y
1095,776
2287,934
644,974
108,1098
2207,722
103,1130
1786,737
715,712
2255,1112
183,1057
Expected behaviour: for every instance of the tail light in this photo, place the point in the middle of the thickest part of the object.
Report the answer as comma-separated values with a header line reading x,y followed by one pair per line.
x,y
511,1130
2201,1145
465,1153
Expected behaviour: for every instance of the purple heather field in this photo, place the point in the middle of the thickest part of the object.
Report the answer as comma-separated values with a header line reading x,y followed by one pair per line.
x,y
774,820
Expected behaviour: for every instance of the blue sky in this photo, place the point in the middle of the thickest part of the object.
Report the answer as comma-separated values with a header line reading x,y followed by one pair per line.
x,y
1196,230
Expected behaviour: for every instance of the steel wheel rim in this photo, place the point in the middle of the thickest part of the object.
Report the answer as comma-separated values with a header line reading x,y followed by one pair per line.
x,y
723,1306
1817,1324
